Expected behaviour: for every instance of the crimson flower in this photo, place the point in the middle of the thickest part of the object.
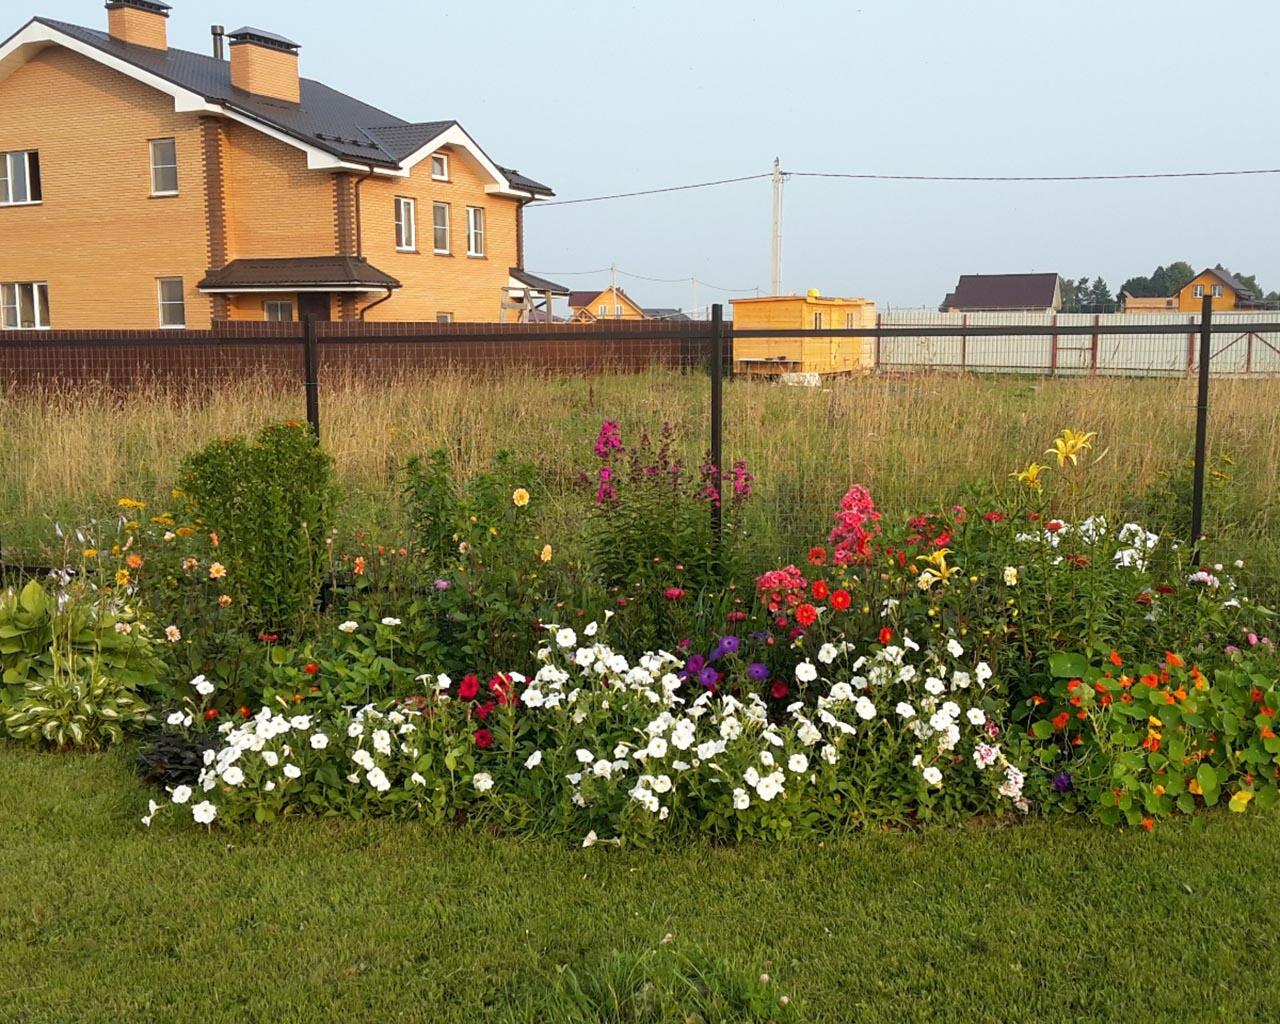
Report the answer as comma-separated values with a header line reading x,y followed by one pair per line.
x,y
817,556
673,593
469,687
483,738
806,614
840,600
779,689
210,714
311,668
886,634
820,590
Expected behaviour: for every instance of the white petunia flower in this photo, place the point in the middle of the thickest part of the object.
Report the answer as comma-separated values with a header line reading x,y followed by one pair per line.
x,y
865,709
483,782
152,807
827,653
270,758
741,801
585,756
905,710
291,771
417,779
390,620
566,637
349,626
806,672
935,686
181,794
589,839
319,741
378,779
1010,576
204,812
954,648
976,716
798,763
202,686
932,776
533,759
232,775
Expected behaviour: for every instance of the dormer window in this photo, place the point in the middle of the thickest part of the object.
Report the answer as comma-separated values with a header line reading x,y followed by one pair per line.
x,y
164,167
20,178
439,167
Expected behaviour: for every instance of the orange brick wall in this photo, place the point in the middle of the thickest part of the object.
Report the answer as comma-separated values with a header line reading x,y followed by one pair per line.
x,y
265,72
99,239
468,287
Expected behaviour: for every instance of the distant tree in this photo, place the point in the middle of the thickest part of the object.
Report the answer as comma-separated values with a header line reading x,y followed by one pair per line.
x,y
1100,297
1163,281
1248,280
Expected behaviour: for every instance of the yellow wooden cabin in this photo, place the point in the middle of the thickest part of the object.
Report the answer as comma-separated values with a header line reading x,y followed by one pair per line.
x,y
775,356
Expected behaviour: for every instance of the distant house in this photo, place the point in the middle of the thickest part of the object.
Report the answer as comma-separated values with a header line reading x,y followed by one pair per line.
x,y
1227,293
1038,293
1147,304
610,304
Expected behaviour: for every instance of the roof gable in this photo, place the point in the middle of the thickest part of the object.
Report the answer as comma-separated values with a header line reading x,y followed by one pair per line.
x,y
1227,279
335,130
1004,291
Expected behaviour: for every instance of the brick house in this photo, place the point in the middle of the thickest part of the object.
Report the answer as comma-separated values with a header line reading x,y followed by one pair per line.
x,y
143,186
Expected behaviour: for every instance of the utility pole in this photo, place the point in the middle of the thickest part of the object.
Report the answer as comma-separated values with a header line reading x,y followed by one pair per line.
x,y
693,281
776,270
613,287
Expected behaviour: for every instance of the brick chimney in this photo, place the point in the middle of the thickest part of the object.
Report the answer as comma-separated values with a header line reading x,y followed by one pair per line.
x,y
265,64
139,22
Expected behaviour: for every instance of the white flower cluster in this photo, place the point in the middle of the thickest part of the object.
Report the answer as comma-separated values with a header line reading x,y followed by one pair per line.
x,y
1133,543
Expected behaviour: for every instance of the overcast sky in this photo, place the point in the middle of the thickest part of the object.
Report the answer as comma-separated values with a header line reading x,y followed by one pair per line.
x,y
603,97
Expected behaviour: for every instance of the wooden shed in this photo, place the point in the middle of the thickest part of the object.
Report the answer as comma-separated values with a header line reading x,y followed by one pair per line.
x,y
775,356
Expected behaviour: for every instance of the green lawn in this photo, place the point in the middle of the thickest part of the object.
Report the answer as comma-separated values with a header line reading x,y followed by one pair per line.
x,y
102,920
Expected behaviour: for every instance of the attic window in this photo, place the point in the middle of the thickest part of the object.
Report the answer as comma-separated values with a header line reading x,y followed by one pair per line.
x,y
439,167
20,178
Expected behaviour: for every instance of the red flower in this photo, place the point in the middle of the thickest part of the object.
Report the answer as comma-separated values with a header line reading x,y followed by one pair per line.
x,y
994,517
673,593
358,566
469,687
886,634
500,686
806,614
245,712
817,556
483,710
1148,823
1172,659
820,590
736,617
840,600
779,689
311,668
483,738
1060,720
1143,598
1164,588
1256,695
1266,712
1037,700
210,714
268,638
1054,525
1115,659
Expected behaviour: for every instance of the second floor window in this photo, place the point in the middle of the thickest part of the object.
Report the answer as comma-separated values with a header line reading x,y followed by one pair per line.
x,y
20,178
164,167
1217,291
279,311
173,303
406,224
817,321
848,320
1198,291
440,228
440,167
475,231
24,306
603,310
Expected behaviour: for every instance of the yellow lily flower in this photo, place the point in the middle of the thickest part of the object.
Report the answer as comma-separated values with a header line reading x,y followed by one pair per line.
x,y
1030,477
1071,445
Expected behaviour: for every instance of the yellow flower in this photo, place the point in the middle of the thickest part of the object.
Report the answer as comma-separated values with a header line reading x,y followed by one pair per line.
x,y
122,577
224,600
1030,476
938,570
90,552
545,554
162,520
185,531
520,498
217,571
1071,445
493,531
176,493
130,503
1239,801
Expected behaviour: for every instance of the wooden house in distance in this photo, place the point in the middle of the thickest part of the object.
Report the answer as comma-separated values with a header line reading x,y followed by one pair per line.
x,y
792,354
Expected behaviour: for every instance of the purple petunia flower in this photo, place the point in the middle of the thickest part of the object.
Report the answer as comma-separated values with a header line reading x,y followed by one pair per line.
x,y
1062,782
695,664
708,677
758,671
730,644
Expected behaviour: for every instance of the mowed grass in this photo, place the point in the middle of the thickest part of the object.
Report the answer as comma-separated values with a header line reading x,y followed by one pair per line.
x,y
917,441
103,920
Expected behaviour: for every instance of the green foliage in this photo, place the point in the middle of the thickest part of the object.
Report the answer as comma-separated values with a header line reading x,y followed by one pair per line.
x,y
1164,281
269,502
73,712
70,636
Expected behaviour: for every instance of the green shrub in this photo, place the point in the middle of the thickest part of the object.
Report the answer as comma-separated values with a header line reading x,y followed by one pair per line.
x,y
268,501
73,712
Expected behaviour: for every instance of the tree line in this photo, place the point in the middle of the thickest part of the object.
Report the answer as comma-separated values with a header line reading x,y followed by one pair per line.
x,y
1085,295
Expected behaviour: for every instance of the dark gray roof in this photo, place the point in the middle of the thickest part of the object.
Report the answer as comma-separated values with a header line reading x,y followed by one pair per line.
x,y
1240,288
299,272
325,118
666,313
1002,291
538,284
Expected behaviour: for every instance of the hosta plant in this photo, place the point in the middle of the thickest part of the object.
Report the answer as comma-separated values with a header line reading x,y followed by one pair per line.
x,y
70,712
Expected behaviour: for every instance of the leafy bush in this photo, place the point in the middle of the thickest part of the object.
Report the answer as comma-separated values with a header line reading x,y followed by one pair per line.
x,y
72,712
267,503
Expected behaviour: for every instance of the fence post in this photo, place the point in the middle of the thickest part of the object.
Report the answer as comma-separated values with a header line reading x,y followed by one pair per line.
x,y
1202,427
311,373
717,414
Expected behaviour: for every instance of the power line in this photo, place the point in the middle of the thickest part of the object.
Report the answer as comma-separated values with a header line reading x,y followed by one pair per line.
x,y
652,191
1030,177
644,277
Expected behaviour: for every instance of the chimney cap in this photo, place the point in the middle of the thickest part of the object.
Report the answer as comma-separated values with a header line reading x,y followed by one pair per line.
x,y
267,39
151,6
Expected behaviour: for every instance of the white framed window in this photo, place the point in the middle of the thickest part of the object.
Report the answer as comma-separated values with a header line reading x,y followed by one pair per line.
x,y
617,310
1217,291
475,230
440,167
24,306
603,310
173,303
164,167
440,228
444,318
279,311
406,224
20,178
817,321
1198,291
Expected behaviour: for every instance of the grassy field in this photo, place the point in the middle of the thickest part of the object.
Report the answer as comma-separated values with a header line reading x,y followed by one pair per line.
x,y
104,921
916,441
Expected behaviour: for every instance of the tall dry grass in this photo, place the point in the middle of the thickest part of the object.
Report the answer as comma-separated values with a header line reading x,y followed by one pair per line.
x,y
916,441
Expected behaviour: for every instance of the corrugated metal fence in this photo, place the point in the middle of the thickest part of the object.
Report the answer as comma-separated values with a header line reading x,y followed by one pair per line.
x,y
1239,351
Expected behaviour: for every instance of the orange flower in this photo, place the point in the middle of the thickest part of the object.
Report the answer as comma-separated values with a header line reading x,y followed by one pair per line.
x,y
1060,720
1105,700
1037,700
1082,714
1126,698
134,561
1076,701
1126,682
1150,680
1073,686
1148,823
1100,687
1180,693
1172,659
1268,733
1115,659
358,566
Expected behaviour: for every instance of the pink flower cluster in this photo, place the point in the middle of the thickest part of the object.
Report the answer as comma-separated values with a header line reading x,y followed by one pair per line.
x,y
781,589
857,523
606,492
609,440
741,480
